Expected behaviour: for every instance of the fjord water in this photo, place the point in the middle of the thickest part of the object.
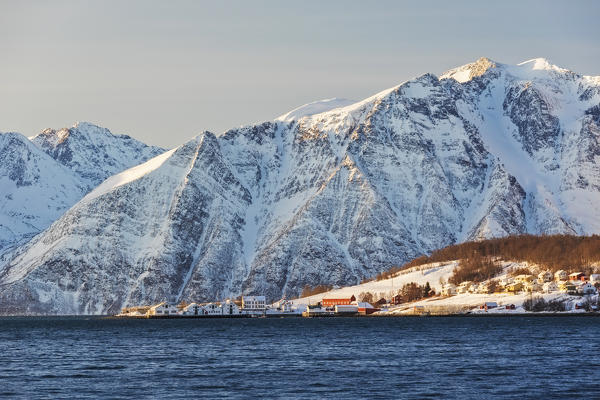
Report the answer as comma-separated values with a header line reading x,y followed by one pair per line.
x,y
412,358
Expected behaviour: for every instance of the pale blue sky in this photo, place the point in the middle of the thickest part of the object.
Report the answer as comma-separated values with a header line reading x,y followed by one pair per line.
x,y
164,71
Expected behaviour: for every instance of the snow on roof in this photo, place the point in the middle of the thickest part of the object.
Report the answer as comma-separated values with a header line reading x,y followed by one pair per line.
x,y
346,306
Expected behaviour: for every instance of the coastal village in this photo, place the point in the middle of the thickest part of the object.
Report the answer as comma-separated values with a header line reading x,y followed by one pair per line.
x,y
250,307
509,293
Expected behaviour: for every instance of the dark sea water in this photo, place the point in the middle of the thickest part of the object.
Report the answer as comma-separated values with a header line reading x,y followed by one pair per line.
x,y
341,358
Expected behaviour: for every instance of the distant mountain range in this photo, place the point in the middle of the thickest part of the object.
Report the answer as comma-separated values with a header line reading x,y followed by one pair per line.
x,y
331,192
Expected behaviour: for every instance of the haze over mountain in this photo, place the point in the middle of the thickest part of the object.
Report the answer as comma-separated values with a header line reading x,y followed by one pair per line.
x,y
329,193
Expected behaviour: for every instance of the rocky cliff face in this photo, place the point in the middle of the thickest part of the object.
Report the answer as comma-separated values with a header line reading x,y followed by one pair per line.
x,y
485,150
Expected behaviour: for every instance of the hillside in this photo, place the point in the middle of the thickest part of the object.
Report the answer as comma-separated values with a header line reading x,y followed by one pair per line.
x,y
551,252
512,256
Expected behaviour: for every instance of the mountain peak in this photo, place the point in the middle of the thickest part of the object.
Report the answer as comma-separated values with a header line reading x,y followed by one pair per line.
x,y
93,152
470,71
84,125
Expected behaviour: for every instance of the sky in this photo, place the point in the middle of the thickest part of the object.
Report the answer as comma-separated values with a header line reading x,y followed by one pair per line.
x,y
164,71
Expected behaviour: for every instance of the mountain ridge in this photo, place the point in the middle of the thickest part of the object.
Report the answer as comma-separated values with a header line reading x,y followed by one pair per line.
x,y
332,197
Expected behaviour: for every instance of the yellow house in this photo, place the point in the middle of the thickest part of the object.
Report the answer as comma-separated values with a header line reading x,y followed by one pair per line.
x,y
515,287
524,278
567,287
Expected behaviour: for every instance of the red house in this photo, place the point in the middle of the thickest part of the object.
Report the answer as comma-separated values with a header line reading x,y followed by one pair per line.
x,y
336,302
366,308
577,276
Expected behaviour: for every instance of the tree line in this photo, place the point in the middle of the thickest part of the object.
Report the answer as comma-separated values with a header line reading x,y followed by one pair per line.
x,y
552,252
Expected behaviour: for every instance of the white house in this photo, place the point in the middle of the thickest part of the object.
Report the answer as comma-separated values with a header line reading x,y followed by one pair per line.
x,y
312,311
286,306
254,303
545,276
533,286
561,275
586,288
192,309
212,309
230,308
163,309
346,309
594,278
448,290
550,287
283,306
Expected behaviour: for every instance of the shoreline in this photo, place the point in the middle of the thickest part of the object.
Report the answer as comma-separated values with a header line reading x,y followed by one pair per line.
x,y
460,315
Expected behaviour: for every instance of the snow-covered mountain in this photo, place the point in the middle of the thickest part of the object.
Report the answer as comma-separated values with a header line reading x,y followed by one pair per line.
x,y
92,152
36,190
42,178
328,195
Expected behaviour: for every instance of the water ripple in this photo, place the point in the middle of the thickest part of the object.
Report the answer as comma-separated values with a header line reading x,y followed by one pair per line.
x,y
375,358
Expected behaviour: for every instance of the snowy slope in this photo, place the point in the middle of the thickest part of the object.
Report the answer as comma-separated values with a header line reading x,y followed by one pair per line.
x,y
316,107
387,288
330,193
35,189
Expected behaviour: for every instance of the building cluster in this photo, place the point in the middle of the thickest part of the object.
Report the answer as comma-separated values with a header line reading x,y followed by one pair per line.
x,y
249,306
576,283
342,306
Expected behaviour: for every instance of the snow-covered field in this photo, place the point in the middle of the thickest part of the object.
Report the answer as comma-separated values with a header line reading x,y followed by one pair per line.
x,y
431,273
